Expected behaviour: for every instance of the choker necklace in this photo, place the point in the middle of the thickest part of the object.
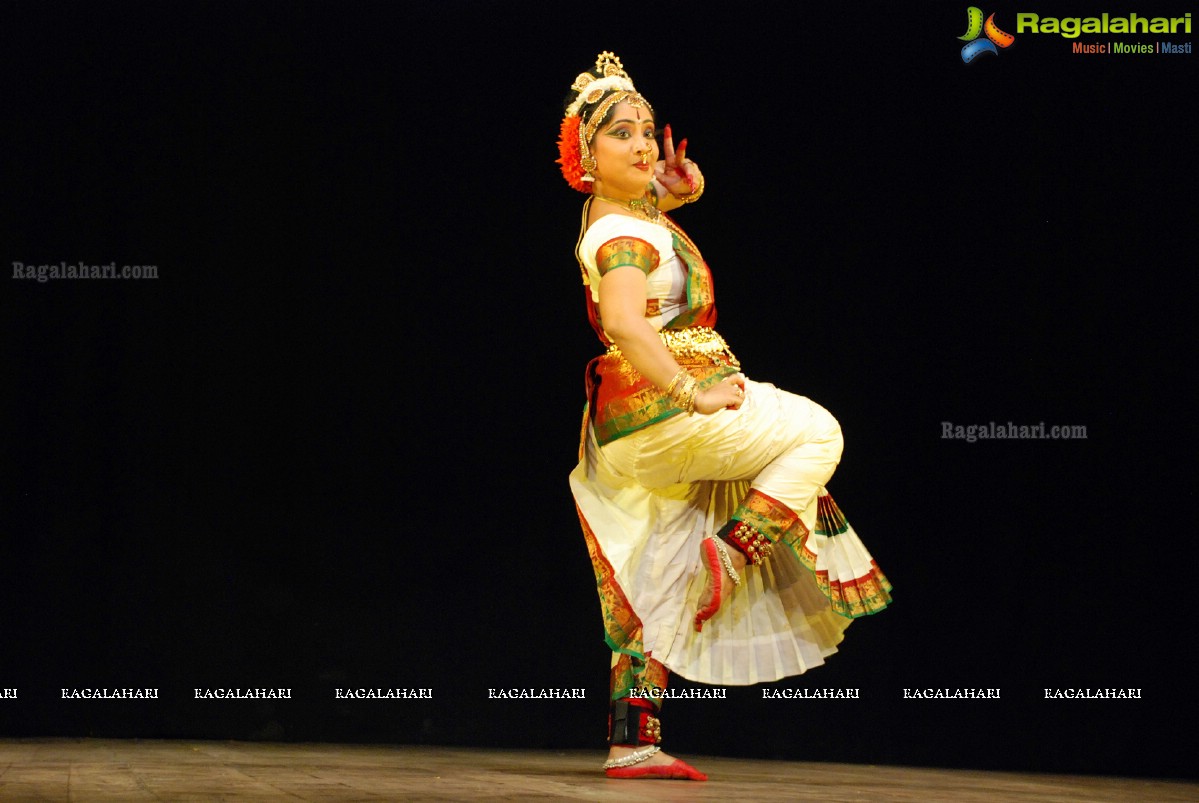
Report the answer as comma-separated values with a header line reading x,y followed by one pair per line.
x,y
638,206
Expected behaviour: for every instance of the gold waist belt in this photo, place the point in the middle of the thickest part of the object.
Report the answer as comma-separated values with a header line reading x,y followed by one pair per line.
x,y
693,345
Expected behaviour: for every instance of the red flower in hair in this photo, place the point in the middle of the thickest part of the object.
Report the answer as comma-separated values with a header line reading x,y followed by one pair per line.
x,y
568,154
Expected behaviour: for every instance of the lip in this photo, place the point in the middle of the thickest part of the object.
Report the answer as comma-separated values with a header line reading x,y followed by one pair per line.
x,y
644,168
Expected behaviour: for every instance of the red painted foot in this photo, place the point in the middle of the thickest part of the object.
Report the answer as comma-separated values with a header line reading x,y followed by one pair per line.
x,y
716,569
678,770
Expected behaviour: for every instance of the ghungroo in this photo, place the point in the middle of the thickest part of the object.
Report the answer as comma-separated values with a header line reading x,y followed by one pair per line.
x,y
748,540
633,723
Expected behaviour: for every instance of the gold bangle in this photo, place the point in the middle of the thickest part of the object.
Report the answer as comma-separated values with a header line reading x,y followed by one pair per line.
x,y
688,393
692,196
670,388
679,394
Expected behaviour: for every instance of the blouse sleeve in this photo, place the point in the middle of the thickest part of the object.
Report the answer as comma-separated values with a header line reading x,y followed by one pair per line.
x,y
620,252
616,241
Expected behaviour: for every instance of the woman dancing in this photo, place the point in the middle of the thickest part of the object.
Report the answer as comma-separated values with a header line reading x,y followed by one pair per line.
x,y
717,552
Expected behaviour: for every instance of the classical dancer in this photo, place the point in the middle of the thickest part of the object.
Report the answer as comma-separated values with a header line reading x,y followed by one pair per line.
x,y
718,553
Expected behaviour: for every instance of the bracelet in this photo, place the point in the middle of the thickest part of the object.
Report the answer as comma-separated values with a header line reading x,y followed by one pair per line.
x,y
692,392
684,395
670,388
692,196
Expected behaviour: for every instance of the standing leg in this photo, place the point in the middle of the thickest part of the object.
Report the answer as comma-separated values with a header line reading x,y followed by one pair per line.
x,y
633,726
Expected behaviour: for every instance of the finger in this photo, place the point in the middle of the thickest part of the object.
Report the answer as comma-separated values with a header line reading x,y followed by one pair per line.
x,y
668,143
682,167
670,181
667,178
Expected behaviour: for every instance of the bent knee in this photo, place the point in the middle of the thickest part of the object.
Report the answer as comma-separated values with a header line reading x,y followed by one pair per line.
x,y
830,428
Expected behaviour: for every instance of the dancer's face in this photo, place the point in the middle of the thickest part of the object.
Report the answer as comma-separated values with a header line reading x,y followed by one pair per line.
x,y
625,152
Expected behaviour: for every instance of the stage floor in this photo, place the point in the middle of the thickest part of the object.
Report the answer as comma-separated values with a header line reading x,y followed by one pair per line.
x,y
129,770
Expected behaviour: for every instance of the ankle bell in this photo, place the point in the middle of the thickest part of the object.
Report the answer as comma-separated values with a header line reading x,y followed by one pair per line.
x,y
748,540
632,723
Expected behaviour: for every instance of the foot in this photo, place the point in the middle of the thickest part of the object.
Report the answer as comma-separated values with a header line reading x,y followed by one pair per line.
x,y
659,765
720,585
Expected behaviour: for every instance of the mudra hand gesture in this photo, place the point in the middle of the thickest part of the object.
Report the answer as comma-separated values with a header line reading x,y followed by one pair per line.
x,y
676,172
728,394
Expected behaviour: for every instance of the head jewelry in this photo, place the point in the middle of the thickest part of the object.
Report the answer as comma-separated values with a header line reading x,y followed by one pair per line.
x,y
578,126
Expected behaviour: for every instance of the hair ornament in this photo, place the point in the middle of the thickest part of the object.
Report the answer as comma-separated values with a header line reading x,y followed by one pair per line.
x,y
574,152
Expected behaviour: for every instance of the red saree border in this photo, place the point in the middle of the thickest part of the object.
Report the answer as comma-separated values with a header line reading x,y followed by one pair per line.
x,y
854,598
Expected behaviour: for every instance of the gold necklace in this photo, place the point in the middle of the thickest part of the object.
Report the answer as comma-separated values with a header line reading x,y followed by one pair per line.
x,y
640,207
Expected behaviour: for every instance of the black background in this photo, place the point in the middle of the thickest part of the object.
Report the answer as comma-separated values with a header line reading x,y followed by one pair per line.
x,y
328,446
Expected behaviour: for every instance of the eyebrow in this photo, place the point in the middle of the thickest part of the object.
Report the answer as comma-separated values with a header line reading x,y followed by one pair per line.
x,y
634,122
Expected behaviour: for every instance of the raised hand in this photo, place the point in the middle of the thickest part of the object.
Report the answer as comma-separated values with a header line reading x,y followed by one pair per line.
x,y
677,174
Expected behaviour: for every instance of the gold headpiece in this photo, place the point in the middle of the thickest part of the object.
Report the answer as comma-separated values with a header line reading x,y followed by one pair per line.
x,y
590,89
609,67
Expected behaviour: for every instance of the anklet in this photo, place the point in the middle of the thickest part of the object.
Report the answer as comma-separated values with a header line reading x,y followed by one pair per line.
x,y
748,540
635,757
725,560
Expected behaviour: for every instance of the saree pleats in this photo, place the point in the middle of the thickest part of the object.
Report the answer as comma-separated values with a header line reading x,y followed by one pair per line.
x,y
646,504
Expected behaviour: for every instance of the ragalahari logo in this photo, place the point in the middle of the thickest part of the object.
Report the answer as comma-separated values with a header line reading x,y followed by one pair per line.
x,y
975,26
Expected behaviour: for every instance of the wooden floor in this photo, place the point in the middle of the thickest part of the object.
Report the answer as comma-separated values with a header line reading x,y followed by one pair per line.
x,y
127,770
